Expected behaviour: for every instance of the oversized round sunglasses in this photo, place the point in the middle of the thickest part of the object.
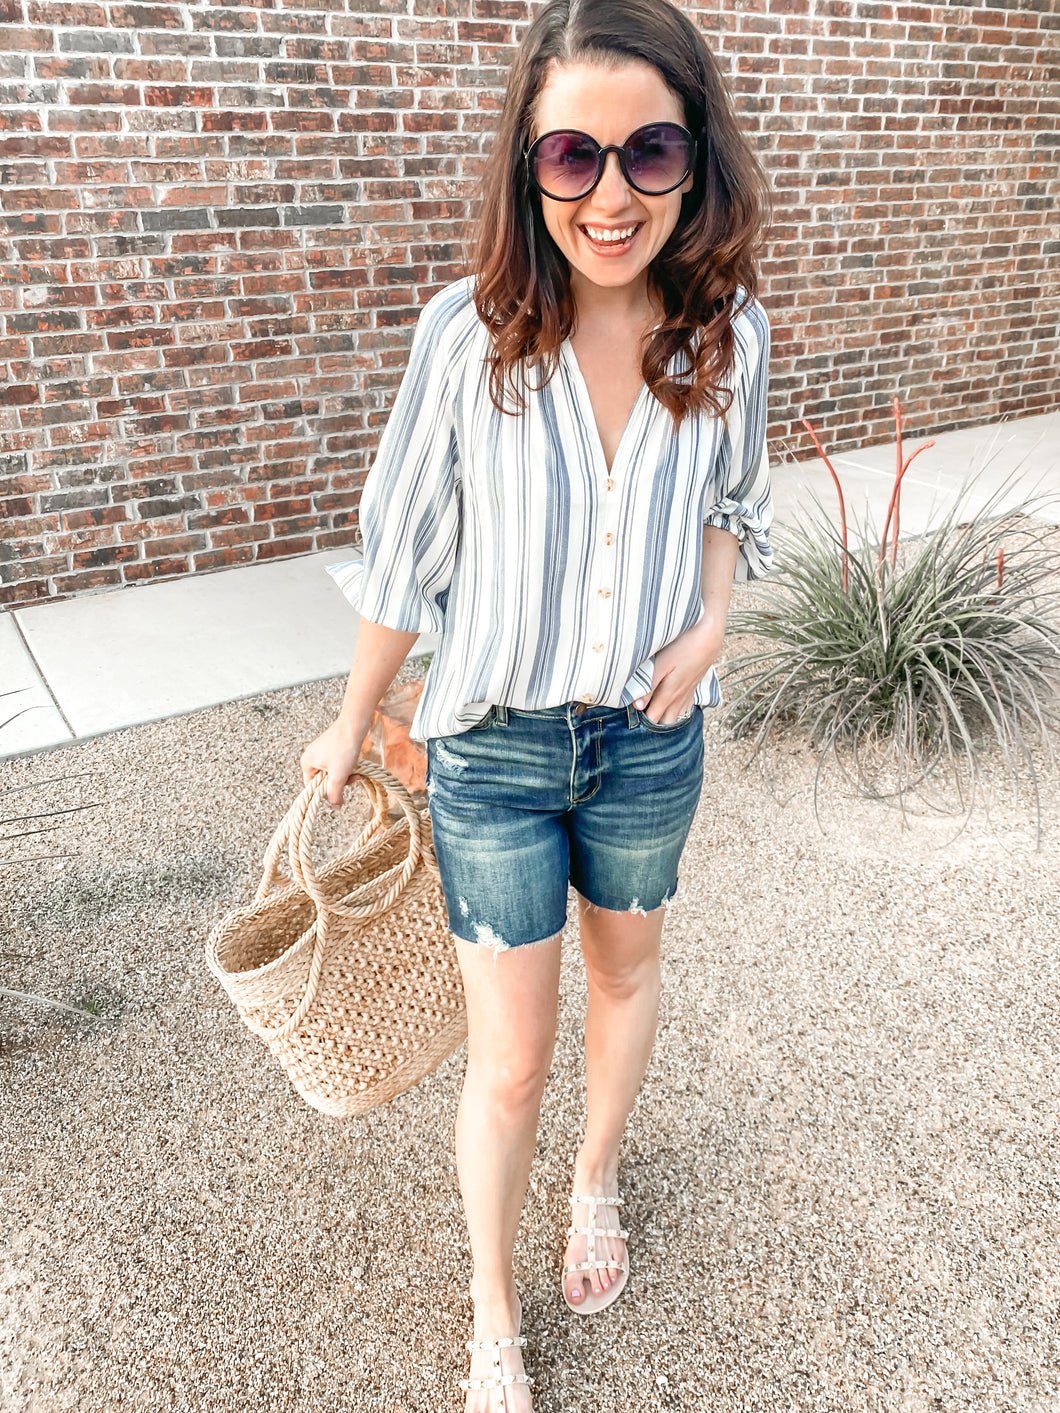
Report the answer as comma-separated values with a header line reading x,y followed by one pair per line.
x,y
565,165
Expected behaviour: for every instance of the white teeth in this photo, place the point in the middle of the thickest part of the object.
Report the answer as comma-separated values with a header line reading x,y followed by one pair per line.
x,y
609,236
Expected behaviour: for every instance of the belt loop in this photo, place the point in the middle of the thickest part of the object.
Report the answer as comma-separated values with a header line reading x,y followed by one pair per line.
x,y
631,714
502,714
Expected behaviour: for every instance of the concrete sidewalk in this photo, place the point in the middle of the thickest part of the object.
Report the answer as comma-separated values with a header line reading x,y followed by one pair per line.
x,y
83,667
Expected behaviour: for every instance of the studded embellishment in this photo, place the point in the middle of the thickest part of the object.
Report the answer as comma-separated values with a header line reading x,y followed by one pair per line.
x,y
497,1381
592,1232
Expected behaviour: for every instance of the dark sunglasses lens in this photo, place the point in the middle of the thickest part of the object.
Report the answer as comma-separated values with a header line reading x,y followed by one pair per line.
x,y
658,157
565,164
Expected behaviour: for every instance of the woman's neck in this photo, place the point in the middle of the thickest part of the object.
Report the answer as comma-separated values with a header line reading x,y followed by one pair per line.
x,y
622,307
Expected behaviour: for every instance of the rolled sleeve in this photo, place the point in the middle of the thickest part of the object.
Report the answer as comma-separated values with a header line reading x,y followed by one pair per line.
x,y
742,498
409,511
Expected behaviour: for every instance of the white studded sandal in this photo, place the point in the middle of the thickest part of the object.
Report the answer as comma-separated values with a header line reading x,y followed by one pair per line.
x,y
590,1304
497,1381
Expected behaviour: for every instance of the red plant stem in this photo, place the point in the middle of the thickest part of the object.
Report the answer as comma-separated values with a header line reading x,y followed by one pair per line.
x,y
839,492
1000,566
897,481
894,500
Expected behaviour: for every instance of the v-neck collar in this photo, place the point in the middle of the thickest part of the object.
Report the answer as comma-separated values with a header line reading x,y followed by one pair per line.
x,y
582,389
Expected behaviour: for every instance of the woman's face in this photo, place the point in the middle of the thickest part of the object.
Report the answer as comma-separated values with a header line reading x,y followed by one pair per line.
x,y
609,105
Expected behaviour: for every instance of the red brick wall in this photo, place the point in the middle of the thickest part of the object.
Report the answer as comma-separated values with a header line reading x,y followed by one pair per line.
x,y
217,221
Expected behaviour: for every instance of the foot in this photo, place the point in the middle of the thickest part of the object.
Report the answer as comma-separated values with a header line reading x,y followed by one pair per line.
x,y
497,1319
587,1289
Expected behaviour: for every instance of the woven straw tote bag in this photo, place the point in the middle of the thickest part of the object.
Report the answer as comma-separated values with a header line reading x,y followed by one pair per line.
x,y
349,976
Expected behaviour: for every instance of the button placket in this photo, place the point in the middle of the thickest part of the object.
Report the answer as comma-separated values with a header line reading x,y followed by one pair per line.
x,y
604,568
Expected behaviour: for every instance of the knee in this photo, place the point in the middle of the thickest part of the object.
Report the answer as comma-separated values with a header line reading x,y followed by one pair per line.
x,y
513,1081
623,983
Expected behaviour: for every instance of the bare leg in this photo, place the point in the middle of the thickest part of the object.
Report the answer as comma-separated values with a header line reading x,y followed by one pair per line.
x,y
621,951
511,1013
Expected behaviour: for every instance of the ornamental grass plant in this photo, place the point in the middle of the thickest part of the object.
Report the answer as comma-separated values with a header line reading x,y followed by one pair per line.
x,y
908,663
21,825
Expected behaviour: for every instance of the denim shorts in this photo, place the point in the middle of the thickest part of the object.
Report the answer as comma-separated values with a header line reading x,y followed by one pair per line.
x,y
526,801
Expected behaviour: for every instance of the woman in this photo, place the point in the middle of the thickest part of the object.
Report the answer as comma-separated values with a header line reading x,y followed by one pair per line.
x,y
572,474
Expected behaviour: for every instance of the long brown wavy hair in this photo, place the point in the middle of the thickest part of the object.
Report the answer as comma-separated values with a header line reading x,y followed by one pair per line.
x,y
522,279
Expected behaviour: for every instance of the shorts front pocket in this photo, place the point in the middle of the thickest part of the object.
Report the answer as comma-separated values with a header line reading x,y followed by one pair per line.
x,y
664,727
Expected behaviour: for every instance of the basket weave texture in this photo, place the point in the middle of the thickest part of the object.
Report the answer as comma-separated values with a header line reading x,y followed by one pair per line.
x,y
349,976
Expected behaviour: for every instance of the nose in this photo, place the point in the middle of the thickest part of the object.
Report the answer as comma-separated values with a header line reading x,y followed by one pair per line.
x,y
612,189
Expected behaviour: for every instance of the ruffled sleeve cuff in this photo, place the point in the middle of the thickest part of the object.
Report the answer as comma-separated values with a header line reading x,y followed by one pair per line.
x,y
349,576
409,612
751,528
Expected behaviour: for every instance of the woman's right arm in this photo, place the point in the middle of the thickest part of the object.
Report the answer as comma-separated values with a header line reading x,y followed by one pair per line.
x,y
378,654
409,518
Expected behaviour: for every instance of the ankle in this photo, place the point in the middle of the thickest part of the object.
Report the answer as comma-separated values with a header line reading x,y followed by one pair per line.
x,y
496,1303
596,1172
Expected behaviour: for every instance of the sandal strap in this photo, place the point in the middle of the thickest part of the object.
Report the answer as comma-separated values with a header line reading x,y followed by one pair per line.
x,y
496,1382
591,1231
511,1342
504,1381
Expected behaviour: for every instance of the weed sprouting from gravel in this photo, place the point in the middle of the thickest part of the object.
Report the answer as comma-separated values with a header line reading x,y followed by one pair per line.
x,y
101,1002
87,1012
94,1003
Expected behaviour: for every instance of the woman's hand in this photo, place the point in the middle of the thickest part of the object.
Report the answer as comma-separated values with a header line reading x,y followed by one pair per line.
x,y
336,750
377,656
679,668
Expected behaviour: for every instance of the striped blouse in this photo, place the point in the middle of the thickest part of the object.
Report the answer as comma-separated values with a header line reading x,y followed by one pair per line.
x,y
549,578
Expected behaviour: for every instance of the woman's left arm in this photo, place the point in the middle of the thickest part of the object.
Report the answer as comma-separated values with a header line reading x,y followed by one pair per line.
x,y
680,666
735,528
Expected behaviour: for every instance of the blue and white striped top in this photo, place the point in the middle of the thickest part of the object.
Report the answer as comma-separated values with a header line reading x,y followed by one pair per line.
x,y
549,578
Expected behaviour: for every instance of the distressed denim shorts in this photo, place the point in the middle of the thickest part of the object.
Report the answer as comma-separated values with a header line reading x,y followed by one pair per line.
x,y
526,801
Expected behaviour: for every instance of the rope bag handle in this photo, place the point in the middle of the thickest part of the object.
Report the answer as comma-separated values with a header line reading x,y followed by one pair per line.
x,y
278,844
295,835
295,832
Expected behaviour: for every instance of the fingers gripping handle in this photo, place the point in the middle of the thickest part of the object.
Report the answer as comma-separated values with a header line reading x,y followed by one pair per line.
x,y
382,891
279,843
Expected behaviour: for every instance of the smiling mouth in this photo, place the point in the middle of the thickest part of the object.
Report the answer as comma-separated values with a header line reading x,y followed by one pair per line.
x,y
608,237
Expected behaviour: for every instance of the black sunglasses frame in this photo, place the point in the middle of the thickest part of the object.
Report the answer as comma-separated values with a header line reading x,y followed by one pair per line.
x,y
601,160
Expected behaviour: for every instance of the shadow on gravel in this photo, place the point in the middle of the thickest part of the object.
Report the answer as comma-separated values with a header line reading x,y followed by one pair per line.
x,y
86,894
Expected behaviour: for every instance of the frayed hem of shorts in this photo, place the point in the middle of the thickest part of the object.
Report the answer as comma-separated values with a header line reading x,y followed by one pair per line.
x,y
634,908
487,938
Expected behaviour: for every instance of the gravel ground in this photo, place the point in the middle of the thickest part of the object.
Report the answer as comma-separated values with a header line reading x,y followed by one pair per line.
x,y
842,1173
